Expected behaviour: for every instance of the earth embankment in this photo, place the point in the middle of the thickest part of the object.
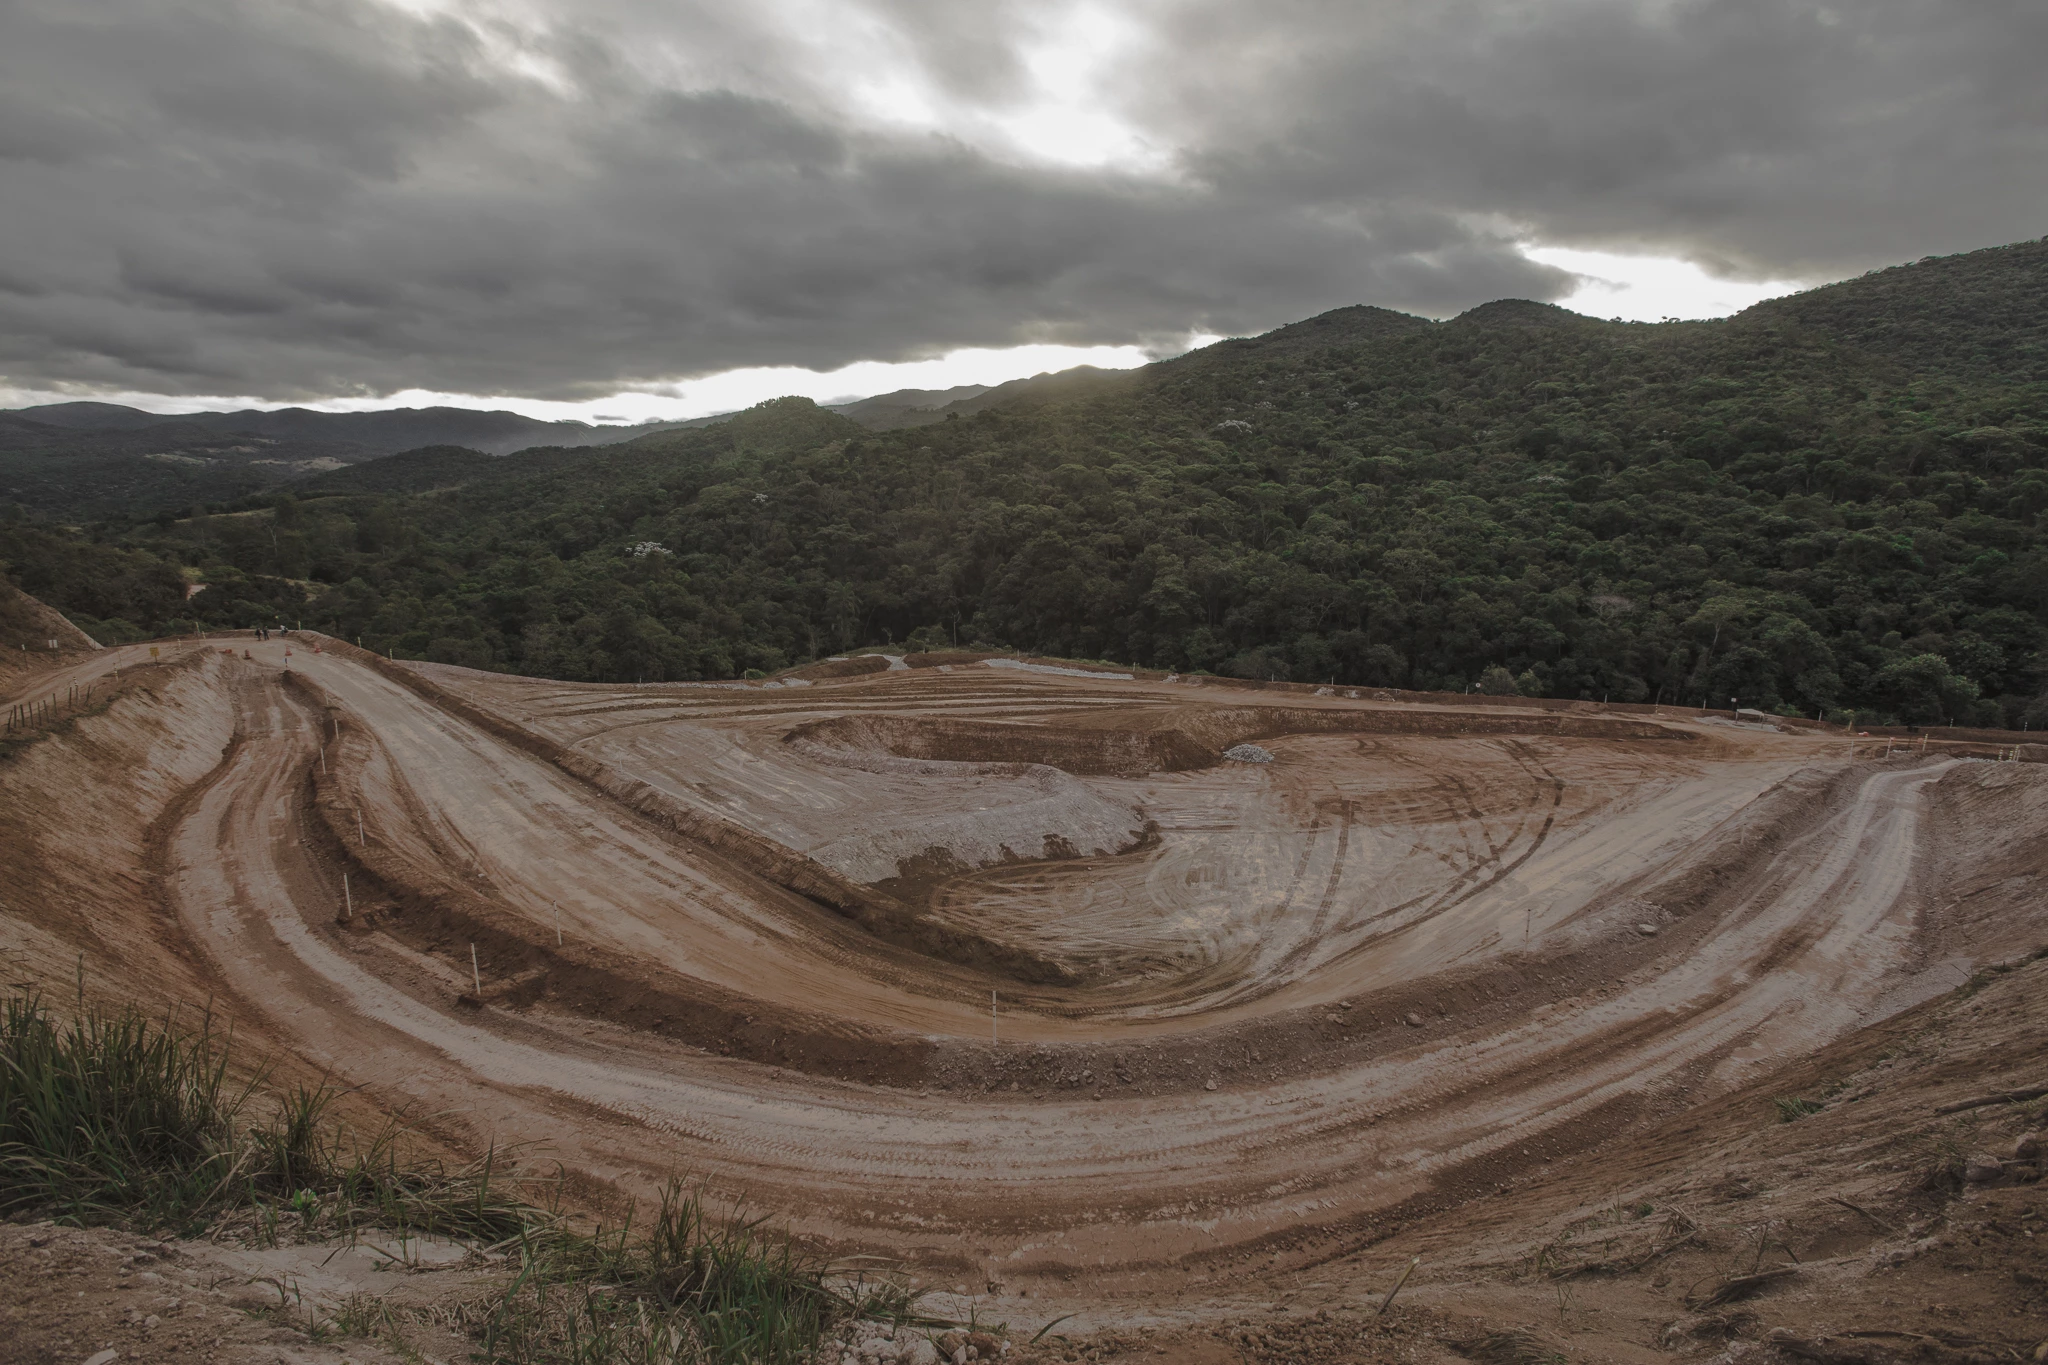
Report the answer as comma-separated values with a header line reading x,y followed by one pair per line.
x,y
1415,947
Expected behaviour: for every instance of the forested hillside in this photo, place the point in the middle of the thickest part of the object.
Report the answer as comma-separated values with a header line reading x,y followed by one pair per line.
x,y
1830,501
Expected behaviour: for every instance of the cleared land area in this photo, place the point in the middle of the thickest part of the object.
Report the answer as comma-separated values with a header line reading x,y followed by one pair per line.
x,y
1012,976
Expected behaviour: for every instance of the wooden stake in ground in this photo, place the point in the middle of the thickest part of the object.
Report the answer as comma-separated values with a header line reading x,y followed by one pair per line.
x,y
348,901
475,978
1388,1301
359,828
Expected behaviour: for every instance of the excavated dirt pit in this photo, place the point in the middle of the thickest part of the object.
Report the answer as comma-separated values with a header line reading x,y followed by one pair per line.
x,y
1011,976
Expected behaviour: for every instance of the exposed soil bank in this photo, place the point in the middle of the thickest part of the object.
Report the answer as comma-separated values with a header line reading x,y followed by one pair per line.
x,y
1196,739
1351,995
81,807
879,914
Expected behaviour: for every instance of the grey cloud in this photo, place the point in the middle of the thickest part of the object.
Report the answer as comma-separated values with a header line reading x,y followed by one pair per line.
x,y
1764,136
297,201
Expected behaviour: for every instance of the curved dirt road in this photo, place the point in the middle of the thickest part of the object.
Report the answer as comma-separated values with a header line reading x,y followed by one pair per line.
x,y
1803,935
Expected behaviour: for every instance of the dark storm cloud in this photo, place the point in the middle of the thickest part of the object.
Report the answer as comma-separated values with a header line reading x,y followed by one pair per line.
x,y
313,199
1769,136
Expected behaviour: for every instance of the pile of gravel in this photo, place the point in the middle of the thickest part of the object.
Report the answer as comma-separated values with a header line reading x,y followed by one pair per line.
x,y
1248,753
881,1343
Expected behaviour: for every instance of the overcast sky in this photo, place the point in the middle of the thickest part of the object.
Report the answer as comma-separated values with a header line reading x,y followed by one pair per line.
x,y
566,201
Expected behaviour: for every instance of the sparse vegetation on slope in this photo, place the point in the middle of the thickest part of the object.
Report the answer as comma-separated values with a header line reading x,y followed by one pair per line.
x,y
110,1117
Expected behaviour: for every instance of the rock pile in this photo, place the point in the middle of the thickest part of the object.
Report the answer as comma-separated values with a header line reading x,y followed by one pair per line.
x,y
881,1343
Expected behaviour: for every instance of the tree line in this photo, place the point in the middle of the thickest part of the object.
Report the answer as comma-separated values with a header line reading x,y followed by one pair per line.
x,y
1830,503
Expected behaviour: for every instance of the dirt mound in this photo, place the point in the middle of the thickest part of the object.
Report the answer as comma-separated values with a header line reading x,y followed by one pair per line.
x,y
856,666
1115,753
1219,728
1993,815
108,777
946,658
1196,739
31,626
1044,814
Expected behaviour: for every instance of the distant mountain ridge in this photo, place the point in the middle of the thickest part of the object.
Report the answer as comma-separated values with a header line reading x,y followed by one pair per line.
x,y
88,459
383,432
905,407
100,459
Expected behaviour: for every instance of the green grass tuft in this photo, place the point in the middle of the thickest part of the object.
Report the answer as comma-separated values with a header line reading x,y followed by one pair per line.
x,y
1791,1109
114,1117
689,1287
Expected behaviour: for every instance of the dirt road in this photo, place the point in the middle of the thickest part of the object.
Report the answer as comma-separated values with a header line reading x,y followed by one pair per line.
x,y
1604,931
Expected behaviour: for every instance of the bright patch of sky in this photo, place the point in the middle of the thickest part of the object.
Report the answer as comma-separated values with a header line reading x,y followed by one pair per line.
x,y
715,393
1067,119
1653,288
1063,114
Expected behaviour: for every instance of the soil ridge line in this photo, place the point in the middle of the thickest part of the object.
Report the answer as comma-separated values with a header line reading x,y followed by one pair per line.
x,y
880,915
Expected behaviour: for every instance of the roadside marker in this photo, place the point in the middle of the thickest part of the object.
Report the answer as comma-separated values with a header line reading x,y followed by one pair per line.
x,y
348,901
359,828
474,978
1388,1301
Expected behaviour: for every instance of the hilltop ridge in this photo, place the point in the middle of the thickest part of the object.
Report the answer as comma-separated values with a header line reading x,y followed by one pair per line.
x,y
1787,506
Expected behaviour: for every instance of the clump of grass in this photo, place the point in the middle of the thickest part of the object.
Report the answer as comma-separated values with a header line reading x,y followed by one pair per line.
x,y
110,1113
114,1117
1791,1108
689,1287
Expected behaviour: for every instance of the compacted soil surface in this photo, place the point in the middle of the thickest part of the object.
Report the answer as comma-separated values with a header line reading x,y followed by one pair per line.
x,y
76,1294
1630,1024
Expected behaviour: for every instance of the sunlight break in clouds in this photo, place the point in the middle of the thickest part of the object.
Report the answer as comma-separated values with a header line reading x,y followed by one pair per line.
x,y
737,389
1068,58
704,397
1653,288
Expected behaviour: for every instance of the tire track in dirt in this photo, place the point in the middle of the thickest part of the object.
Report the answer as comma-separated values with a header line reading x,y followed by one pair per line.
x,y
1123,1179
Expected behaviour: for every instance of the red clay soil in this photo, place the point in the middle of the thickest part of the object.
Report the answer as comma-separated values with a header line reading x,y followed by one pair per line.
x,y
1465,982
